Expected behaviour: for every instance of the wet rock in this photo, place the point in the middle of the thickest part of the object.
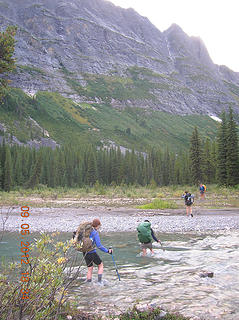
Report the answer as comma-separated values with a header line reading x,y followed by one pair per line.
x,y
206,274
161,315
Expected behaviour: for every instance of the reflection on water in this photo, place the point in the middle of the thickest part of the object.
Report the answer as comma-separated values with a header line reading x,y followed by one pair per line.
x,y
169,278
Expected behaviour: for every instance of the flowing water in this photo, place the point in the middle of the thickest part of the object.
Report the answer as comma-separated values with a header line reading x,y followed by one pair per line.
x,y
170,278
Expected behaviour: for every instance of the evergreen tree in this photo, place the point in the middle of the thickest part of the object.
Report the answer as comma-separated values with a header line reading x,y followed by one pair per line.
x,y
214,162
8,174
196,157
232,160
133,167
100,167
157,164
222,151
113,167
36,172
1,178
186,174
166,169
61,168
207,166
176,172
120,166
18,178
91,175
7,62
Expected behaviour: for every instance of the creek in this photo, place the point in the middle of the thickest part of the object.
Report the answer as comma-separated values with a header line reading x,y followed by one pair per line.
x,y
170,278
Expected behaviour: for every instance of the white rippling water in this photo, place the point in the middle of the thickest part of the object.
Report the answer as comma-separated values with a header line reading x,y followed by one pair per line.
x,y
171,278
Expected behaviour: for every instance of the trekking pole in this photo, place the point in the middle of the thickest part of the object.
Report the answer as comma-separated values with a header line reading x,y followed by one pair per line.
x,y
115,264
161,245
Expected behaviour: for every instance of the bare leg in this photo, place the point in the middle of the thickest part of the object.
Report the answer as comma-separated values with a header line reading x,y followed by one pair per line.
x,y
187,210
100,268
152,251
89,273
144,252
100,271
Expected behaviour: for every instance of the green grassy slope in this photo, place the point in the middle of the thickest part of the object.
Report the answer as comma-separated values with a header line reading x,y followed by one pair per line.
x,y
67,122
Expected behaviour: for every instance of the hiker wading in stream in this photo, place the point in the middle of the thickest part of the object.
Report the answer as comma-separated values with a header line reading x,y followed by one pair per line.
x,y
87,238
92,256
146,236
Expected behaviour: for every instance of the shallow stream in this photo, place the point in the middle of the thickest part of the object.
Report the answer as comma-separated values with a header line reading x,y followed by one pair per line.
x,y
170,278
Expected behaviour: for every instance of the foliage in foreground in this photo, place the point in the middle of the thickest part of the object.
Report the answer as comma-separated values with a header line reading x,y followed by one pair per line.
x,y
38,290
150,314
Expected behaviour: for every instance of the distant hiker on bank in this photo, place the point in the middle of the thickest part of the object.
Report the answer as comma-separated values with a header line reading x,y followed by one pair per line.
x,y
146,236
86,238
202,190
189,199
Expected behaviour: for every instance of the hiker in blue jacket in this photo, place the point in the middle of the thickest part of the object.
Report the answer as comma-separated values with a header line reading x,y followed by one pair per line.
x,y
91,256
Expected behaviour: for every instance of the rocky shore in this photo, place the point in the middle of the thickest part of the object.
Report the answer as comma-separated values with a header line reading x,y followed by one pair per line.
x,y
123,219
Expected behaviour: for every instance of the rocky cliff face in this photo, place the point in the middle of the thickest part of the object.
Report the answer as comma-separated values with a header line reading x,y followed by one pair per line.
x,y
63,42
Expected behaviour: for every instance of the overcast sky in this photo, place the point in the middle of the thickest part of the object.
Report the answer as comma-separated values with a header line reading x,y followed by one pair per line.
x,y
216,22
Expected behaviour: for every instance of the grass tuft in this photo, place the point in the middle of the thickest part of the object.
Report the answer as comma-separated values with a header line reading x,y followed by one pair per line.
x,y
159,204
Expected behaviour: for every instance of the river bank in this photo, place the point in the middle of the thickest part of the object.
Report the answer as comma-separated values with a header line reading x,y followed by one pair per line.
x,y
123,219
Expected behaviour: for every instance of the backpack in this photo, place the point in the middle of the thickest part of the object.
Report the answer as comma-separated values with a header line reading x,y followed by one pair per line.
x,y
205,188
189,198
81,237
144,232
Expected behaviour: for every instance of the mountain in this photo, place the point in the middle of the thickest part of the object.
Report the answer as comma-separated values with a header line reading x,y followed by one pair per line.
x,y
101,56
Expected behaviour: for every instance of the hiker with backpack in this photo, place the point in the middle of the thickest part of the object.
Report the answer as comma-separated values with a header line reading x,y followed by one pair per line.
x,y
86,238
202,190
189,199
146,236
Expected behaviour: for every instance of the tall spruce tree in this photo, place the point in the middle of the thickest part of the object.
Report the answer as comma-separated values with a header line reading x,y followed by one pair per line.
x,y
7,62
214,161
232,160
166,169
91,174
8,173
207,167
196,157
18,178
1,177
222,151
36,172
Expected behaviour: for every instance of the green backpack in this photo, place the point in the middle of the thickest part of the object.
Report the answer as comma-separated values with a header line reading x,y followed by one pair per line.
x,y
144,232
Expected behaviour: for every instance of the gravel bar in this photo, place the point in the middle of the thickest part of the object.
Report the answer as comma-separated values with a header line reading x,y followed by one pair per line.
x,y
123,219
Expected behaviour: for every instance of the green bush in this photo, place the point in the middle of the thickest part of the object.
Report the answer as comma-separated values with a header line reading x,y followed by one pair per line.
x,y
42,293
149,314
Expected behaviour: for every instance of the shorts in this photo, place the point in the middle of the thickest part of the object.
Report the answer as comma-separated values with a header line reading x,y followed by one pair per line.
x,y
202,192
146,245
92,257
188,204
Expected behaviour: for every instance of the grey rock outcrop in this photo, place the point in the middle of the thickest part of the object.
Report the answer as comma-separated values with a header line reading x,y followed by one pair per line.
x,y
58,39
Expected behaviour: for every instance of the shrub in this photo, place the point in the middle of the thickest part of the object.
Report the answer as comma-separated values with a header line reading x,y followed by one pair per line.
x,y
45,282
